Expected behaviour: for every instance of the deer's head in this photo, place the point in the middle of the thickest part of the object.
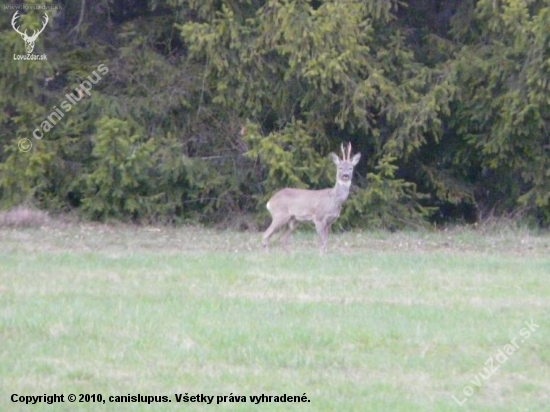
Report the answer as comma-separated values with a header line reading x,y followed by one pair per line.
x,y
345,165
29,40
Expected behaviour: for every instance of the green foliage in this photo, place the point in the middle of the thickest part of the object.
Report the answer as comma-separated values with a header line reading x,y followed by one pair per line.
x,y
312,69
502,110
387,201
448,105
292,160
24,178
117,186
291,157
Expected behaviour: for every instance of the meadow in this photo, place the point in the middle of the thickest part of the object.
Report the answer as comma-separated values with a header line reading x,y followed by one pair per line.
x,y
384,322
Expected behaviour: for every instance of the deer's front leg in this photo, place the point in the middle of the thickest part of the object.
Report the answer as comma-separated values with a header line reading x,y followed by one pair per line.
x,y
322,232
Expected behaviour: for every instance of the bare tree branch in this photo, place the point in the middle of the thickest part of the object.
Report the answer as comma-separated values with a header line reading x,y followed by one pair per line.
x,y
76,29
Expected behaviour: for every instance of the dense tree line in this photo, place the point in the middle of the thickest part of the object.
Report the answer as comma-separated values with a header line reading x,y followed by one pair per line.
x,y
205,107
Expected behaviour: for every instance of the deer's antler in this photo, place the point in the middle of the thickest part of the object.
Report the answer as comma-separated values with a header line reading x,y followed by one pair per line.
x,y
25,35
35,34
14,18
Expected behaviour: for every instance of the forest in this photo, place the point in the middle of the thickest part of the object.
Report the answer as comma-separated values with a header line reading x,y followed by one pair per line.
x,y
177,111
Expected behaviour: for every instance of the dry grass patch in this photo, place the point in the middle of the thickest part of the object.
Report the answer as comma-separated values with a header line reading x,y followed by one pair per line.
x,y
23,217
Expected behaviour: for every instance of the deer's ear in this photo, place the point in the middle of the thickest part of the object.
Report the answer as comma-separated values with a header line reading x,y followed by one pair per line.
x,y
355,159
335,158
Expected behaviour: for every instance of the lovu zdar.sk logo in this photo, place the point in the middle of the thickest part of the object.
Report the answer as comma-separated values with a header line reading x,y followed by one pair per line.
x,y
29,40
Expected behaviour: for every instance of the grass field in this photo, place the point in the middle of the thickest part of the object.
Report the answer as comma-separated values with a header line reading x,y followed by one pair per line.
x,y
384,322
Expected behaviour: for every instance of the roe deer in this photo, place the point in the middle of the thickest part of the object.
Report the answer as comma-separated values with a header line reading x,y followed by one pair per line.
x,y
321,207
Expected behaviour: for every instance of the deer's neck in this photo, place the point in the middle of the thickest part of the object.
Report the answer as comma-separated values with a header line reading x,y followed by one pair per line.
x,y
341,192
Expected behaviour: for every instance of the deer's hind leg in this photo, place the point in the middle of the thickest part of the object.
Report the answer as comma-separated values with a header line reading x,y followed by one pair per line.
x,y
288,232
276,224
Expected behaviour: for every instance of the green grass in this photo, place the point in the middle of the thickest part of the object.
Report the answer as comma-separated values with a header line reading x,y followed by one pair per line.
x,y
384,322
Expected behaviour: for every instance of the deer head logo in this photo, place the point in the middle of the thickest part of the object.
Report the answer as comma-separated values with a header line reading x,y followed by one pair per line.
x,y
29,40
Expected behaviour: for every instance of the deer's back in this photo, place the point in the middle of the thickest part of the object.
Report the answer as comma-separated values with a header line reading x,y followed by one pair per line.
x,y
302,204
